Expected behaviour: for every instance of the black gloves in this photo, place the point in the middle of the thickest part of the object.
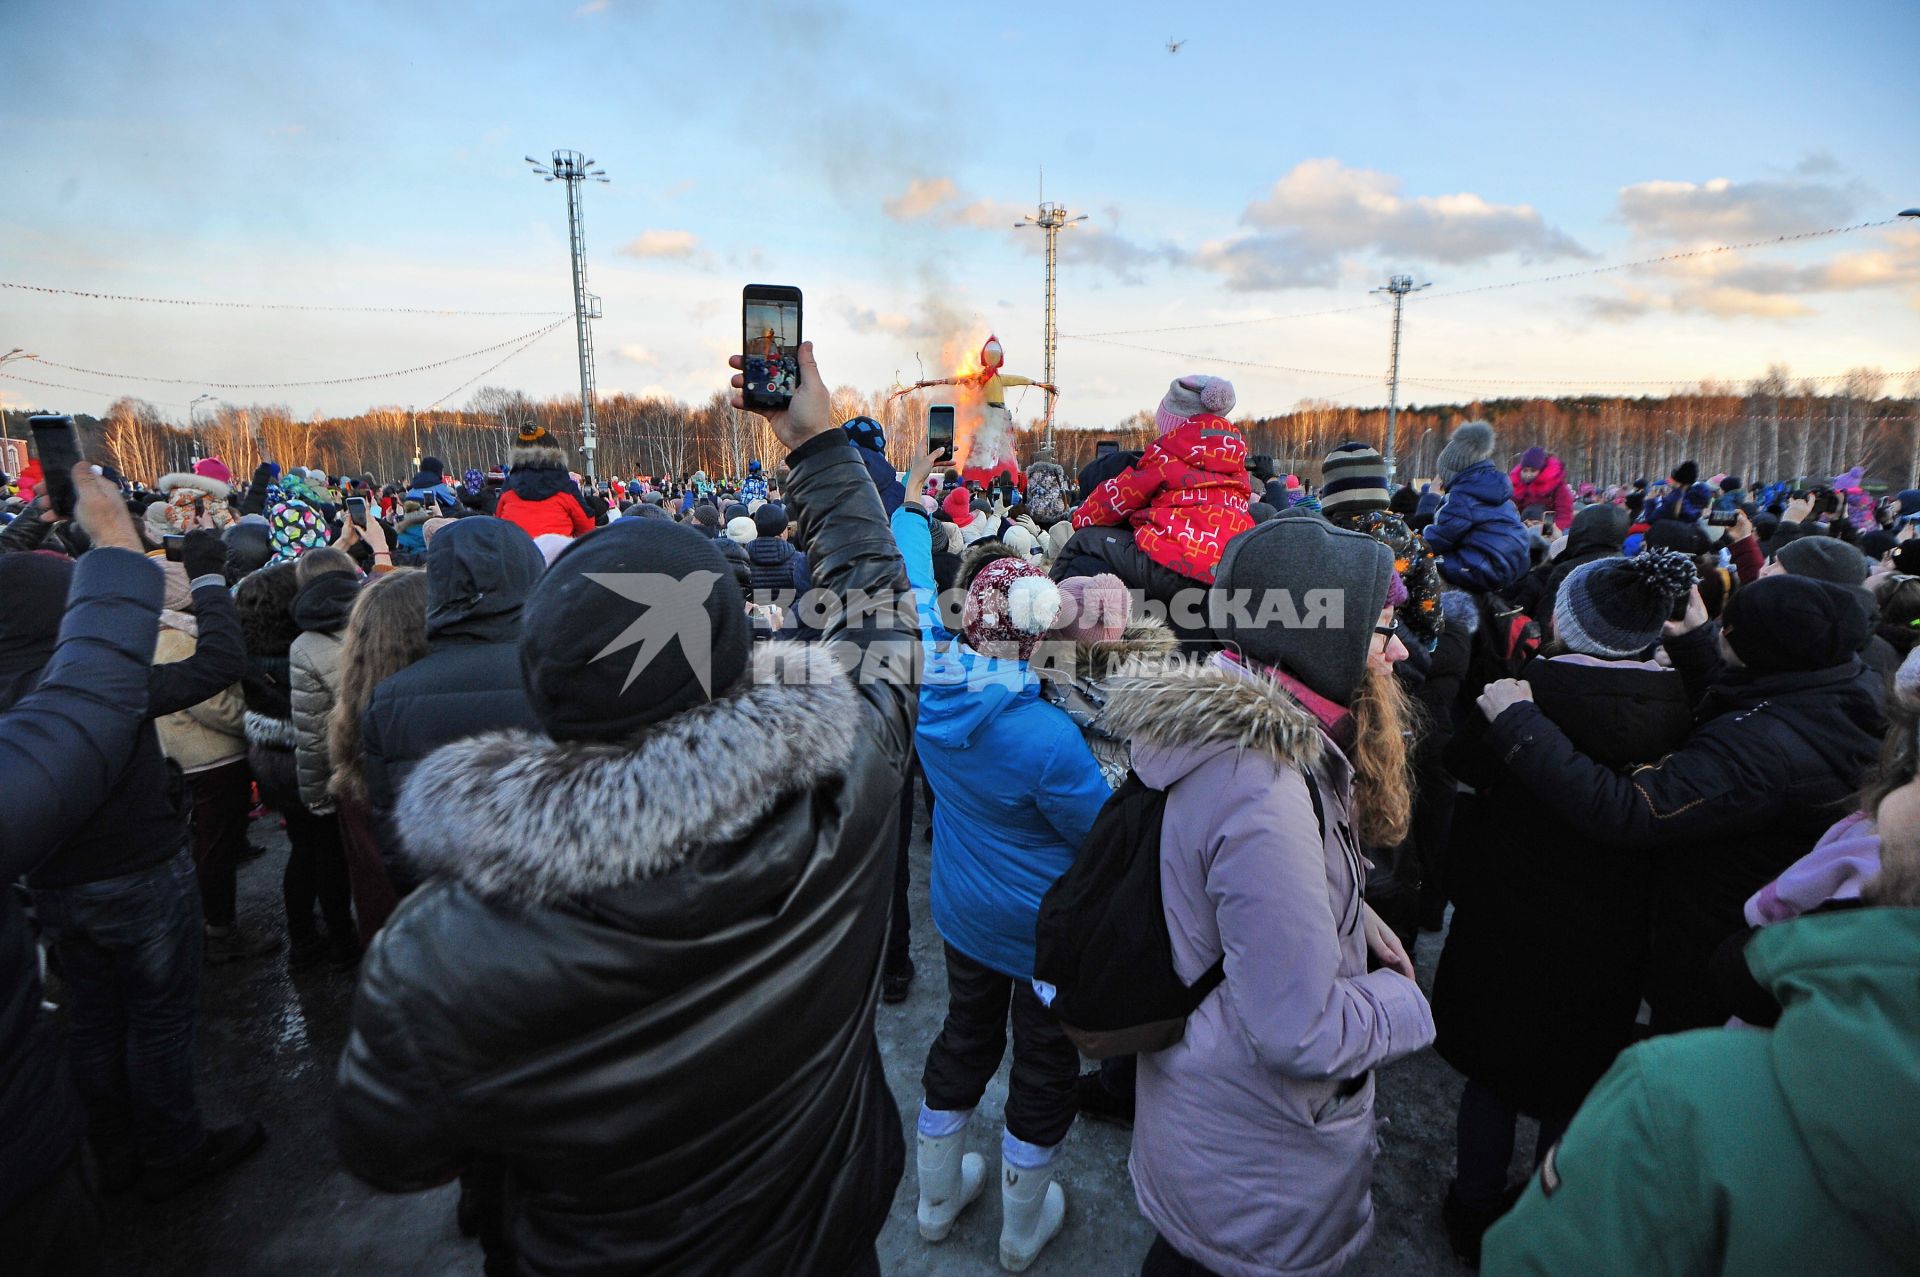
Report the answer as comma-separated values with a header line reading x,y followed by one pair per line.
x,y
203,553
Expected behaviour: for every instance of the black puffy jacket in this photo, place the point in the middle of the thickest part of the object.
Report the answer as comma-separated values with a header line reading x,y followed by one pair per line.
x,y
479,573
643,976
1545,960
63,747
1772,761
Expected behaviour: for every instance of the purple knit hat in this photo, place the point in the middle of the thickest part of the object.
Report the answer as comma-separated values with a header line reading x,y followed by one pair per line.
x,y
1534,458
1193,396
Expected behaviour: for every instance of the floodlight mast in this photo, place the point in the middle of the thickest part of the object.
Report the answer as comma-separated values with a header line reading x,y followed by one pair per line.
x,y
574,168
1051,219
1399,286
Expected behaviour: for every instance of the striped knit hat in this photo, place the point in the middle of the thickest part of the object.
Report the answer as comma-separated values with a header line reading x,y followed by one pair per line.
x,y
1353,480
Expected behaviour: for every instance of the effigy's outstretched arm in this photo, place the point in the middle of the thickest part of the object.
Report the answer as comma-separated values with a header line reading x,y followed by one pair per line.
x,y
923,385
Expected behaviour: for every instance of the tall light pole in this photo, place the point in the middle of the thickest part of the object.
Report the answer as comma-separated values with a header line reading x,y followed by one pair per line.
x,y
1052,219
1399,286
16,353
1914,470
193,435
574,169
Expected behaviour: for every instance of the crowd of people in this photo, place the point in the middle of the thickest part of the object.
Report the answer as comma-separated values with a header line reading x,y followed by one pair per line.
x,y
605,793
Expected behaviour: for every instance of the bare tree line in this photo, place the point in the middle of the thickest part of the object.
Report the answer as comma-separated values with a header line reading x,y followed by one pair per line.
x,y
1772,428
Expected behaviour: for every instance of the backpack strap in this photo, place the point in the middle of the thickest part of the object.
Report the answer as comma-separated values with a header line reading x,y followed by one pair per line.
x,y
1210,978
1313,792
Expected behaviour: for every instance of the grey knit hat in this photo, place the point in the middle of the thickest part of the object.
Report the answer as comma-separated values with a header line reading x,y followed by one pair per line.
x,y
1613,608
1471,444
1333,583
1824,559
1191,397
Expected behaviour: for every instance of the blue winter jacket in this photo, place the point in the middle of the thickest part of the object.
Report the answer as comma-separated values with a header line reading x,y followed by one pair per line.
x,y
1015,786
1477,533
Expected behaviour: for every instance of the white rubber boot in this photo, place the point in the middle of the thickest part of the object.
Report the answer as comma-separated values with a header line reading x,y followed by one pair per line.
x,y
1032,1210
950,1178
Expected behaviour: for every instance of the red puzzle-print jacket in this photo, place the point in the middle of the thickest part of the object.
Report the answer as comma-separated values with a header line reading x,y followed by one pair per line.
x,y
1186,497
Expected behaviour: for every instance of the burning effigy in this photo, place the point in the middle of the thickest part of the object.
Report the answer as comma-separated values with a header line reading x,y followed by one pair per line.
x,y
983,428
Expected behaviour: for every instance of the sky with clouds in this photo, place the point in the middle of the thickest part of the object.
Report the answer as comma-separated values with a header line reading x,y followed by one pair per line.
x,y
1285,160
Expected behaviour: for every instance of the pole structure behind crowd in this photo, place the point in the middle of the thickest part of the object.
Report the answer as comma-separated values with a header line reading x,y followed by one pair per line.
x,y
573,168
1399,286
1913,470
16,353
1051,219
193,429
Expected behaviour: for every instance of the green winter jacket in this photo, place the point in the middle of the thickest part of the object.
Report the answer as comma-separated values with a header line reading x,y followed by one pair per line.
x,y
1790,1151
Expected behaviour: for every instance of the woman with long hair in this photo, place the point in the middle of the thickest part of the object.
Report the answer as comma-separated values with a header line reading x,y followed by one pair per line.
x,y
1280,757
265,600
386,632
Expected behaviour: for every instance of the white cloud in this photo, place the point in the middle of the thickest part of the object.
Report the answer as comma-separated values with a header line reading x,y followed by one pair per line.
x,y
680,244
1321,209
1737,285
635,353
1721,209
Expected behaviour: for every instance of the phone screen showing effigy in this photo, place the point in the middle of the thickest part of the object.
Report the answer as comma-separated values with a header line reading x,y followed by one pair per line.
x,y
770,346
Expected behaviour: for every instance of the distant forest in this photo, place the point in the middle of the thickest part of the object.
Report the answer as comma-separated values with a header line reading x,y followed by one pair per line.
x,y
1772,428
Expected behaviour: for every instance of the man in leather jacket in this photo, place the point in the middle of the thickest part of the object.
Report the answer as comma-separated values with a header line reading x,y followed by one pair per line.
x,y
651,1000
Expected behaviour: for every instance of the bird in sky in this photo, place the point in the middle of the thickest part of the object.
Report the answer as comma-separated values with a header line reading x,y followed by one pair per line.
x,y
1173,46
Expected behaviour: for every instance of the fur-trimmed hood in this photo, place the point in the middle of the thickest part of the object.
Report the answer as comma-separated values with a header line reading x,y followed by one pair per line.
x,y
1145,638
1181,717
515,815
199,482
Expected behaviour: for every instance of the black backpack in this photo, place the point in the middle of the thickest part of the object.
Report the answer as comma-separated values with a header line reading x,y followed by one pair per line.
x,y
1101,940
1503,643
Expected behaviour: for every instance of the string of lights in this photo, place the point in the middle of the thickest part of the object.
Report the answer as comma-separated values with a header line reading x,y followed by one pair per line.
x,y
299,385
1238,363
78,390
1662,259
299,306
490,367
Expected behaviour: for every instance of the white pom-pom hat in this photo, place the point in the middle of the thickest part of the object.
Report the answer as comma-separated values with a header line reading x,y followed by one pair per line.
x,y
1010,607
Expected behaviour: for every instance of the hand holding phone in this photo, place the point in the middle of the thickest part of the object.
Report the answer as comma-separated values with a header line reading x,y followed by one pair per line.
x,y
357,511
53,439
809,415
170,544
769,345
940,429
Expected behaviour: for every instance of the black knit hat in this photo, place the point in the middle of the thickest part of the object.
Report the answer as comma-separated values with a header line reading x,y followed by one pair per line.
x,y
1686,474
770,520
1613,608
1353,480
1794,623
629,626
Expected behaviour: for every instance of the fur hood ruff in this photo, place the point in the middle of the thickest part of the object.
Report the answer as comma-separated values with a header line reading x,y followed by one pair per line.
x,y
212,487
516,815
1145,638
1214,704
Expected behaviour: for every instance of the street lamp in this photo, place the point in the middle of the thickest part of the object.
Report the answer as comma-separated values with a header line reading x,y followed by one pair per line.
x,y
193,438
10,356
